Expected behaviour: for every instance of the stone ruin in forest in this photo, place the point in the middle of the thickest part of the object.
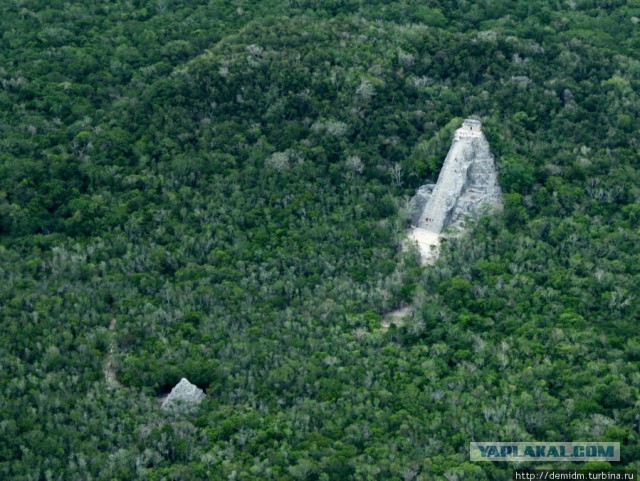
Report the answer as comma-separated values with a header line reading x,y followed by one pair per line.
x,y
183,396
467,183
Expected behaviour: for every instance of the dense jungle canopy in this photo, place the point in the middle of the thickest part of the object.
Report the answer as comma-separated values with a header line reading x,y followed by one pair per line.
x,y
217,190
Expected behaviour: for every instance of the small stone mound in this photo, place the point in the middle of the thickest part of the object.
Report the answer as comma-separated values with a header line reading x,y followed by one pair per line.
x,y
183,396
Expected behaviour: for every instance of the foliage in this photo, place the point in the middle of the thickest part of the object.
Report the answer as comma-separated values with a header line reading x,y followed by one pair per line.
x,y
215,190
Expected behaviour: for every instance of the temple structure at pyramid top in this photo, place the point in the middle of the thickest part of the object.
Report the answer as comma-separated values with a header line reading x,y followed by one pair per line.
x,y
470,129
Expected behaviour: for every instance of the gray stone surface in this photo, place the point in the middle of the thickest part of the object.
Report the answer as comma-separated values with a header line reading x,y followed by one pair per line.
x,y
183,396
419,201
467,182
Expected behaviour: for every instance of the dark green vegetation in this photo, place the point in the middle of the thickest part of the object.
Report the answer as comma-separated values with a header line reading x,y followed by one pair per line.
x,y
226,179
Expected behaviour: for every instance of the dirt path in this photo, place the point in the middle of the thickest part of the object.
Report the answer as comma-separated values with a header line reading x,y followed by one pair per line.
x,y
109,371
428,243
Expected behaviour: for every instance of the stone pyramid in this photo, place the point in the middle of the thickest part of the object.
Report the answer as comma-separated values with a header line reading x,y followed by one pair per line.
x,y
183,396
467,182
